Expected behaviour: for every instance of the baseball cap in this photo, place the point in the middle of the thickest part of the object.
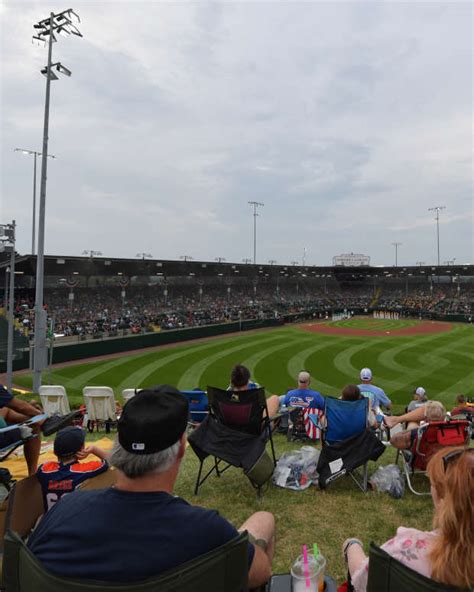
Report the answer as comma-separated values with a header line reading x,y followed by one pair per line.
x,y
153,420
69,440
366,374
420,391
304,377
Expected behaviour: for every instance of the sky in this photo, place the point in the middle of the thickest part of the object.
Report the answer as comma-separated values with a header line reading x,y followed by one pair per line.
x,y
348,120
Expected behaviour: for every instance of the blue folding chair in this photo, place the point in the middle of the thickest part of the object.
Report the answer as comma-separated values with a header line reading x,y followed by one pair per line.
x,y
348,443
198,405
344,419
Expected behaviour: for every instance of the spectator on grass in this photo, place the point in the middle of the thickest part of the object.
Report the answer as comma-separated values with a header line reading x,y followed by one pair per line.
x,y
462,406
303,396
143,529
430,411
63,476
375,394
351,392
240,381
419,399
445,554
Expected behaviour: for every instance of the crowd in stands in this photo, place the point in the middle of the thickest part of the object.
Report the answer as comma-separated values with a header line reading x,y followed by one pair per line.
x,y
106,312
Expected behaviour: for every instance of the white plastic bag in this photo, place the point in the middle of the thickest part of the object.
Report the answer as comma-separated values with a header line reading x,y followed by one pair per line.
x,y
389,479
297,469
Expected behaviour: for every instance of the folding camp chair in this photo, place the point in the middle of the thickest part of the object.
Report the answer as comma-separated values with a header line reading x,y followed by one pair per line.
x,y
304,424
11,438
428,440
387,574
223,568
348,442
235,433
128,394
54,400
100,407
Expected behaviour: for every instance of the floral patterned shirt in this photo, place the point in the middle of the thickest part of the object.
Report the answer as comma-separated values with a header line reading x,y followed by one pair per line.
x,y
410,546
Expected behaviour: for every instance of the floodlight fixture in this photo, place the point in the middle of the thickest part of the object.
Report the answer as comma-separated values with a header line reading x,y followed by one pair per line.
x,y
52,75
144,256
62,69
92,253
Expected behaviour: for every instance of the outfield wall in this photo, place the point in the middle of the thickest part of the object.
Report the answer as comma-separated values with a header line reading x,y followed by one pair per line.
x,y
100,347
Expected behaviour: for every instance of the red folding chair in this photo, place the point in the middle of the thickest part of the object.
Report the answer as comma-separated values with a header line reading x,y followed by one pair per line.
x,y
430,438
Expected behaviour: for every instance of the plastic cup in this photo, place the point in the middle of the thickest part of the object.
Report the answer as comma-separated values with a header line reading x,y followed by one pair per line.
x,y
316,568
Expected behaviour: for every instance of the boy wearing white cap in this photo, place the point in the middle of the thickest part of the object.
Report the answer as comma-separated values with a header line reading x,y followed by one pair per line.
x,y
419,399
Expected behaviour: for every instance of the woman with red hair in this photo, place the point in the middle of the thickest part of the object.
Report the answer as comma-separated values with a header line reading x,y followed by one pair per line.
x,y
445,554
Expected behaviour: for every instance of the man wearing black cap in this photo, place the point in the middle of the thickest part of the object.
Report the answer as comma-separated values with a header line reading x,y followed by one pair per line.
x,y
142,528
63,476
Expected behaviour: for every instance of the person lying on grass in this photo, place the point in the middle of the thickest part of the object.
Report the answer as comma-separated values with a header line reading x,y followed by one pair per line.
x,y
63,476
445,554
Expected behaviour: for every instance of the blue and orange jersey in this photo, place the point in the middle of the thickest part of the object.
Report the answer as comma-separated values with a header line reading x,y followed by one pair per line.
x,y
58,479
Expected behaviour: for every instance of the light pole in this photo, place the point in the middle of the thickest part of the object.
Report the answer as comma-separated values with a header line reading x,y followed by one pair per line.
x,y
220,259
304,256
144,256
246,261
45,29
35,154
186,258
7,240
437,209
272,261
396,245
420,263
255,205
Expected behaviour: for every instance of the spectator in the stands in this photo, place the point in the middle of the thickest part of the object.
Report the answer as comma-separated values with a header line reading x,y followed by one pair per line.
x,y
419,399
138,529
63,476
445,554
240,381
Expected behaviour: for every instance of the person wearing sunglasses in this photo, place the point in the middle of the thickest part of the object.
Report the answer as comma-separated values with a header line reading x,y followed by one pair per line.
x,y
445,554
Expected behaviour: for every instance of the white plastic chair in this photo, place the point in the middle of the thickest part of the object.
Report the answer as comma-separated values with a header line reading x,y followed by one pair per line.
x,y
100,404
54,400
127,394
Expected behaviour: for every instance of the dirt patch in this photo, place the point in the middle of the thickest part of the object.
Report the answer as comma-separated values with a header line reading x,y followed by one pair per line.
x,y
421,328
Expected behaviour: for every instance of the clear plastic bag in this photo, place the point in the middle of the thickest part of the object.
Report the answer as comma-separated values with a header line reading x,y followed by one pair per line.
x,y
297,469
389,479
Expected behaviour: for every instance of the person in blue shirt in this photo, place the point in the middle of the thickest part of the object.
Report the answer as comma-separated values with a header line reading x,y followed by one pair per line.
x,y
303,396
375,394
143,529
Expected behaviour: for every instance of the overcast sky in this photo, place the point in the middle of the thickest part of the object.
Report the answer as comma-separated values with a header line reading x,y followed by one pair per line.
x,y
348,120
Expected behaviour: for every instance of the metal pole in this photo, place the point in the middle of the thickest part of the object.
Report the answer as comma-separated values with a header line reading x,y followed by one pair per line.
x,y
33,232
40,351
437,231
254,234
10,314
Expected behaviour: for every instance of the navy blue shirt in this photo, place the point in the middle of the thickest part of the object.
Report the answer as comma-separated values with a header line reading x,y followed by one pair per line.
x,y
303,398
5,397
121,536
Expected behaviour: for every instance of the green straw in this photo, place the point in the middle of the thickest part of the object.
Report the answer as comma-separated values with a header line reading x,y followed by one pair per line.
x,y
315,550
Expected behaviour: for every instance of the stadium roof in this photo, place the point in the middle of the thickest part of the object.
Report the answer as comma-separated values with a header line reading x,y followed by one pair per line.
x,y
62,265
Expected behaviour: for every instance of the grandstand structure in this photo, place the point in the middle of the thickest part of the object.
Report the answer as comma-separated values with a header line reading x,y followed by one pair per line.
x,y
91,298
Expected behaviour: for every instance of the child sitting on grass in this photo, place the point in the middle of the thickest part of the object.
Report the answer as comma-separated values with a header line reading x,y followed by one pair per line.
x,y
63,476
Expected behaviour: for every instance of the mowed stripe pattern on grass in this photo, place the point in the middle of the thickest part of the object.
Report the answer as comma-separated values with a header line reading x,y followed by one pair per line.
x,y
442,363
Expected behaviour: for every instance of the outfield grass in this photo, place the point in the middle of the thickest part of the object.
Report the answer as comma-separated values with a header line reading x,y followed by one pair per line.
x,y
442,363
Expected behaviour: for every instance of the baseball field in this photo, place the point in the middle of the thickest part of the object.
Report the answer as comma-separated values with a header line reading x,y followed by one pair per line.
x,y
402,354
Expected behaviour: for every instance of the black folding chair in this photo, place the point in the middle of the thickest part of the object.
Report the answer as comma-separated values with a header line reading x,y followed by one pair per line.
x,y
235,433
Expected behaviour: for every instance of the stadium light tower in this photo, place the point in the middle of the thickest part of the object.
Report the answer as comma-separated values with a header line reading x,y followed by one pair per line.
x,y
255,205
35,154
437,209
60,23
396,245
